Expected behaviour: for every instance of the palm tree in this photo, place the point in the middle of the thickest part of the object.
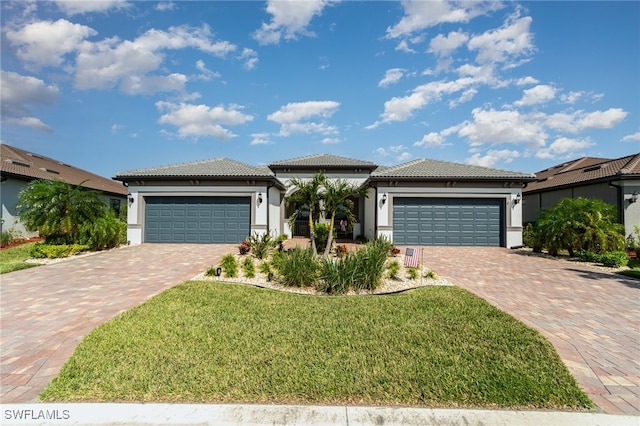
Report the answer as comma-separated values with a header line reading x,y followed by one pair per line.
x,y
337,200
307,197
57,209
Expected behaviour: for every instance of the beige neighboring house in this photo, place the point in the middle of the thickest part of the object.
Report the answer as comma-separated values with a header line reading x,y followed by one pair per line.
x,y
19,167
614,181
422,202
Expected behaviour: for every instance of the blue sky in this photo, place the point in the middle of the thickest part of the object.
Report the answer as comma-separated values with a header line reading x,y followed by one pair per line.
x,y
114,85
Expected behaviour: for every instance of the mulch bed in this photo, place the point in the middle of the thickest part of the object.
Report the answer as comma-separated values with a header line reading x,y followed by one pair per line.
x,y
20,241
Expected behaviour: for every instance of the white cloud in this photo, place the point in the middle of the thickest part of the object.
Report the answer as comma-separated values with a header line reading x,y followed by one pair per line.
x,y
73,7
45,43
564,148
392,76
492,157
537,95
330,141
32,122
420,15
571,97
526,81
431,140
250,58
633,137
396,148
404,156
498,127
443,45
18,93
115,128
403,46
164,6
260,139
579,121
202,120
103,64
147,85
205,73
289,18
511,41
292,116
381,151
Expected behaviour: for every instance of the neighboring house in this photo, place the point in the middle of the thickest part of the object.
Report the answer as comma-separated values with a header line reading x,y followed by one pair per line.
x,y
19,167
615,182
423,202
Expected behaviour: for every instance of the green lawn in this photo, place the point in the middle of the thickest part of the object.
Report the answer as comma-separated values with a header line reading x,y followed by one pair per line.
x,y
216,342
13,259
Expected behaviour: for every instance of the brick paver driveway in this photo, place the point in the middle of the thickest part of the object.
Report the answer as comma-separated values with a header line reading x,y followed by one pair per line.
x,y
46,311
592,318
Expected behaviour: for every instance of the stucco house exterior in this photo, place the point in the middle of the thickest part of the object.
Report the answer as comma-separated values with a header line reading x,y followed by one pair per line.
x,y
19,167
615,181
422,202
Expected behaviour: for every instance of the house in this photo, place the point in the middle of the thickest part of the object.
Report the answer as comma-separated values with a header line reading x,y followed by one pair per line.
x,y
19,167
615,182
422,202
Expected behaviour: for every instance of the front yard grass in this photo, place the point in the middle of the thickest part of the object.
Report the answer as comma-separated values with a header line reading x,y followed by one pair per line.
x,y
13,259
216,342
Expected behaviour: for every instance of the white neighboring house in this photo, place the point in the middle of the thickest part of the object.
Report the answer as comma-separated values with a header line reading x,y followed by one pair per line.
x,y
19,167
422,202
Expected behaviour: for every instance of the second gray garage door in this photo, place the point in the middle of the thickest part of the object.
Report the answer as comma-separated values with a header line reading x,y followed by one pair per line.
x,y
197,219
448,221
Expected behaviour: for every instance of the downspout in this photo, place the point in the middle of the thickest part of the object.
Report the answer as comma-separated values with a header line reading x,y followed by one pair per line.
x,y
269,186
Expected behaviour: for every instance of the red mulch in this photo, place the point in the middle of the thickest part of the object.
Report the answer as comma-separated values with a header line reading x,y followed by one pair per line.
x,y
20,241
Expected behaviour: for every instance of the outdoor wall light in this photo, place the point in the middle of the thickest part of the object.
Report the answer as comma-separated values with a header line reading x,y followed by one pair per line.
x,y
130,198
634,197
384,198
259,198
517,199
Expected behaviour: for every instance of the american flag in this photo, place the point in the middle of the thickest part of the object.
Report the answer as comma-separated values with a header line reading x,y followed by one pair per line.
x,y
411,258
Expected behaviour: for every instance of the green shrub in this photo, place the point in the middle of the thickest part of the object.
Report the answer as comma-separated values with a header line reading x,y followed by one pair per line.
x,y
298,268
588,256
265,268
211,272
321,235
383,243
5,238
260,244
55,251
430,275
412,273
248,267
373,258
277,258
393,268
229,266
338,276
104,232
531,238
614,259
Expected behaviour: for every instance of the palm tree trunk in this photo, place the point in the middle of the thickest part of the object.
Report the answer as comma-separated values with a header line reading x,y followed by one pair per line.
x,y
311,234
327,248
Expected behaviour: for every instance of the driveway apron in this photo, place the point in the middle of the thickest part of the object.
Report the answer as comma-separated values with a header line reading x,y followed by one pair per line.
x,y
46,311
591,317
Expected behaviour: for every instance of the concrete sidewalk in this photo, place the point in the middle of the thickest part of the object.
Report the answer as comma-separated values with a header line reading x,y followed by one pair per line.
x,y
245,414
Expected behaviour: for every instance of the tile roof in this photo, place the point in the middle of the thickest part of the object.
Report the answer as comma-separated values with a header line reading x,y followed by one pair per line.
x,y
584,170
214,167
323,160
424,168
29,165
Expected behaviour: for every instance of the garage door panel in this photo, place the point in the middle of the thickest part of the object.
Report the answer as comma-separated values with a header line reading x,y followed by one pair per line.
x,y
448,221
197,219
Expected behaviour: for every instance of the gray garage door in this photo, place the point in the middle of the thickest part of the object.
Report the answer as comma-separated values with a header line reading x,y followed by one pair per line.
x,y
197,219
448,222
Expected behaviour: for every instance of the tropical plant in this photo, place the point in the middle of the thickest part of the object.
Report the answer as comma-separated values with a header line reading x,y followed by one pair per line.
x,y
337,200
307,198
58,210
260,244
412,273
580,224
394,269
248,267
244,248
229,265
298,268
321,234
104,232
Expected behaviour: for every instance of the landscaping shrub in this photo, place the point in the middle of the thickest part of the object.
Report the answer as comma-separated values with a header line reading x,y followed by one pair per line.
x,y
211,272
298,268
321,234
5,238
579,224
394,268
277,258
248,267
588,256
614,259
431,275
244,248
260,244
55,251
229,266
373,258
265,268
383,243
104,232
337,276
412,273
